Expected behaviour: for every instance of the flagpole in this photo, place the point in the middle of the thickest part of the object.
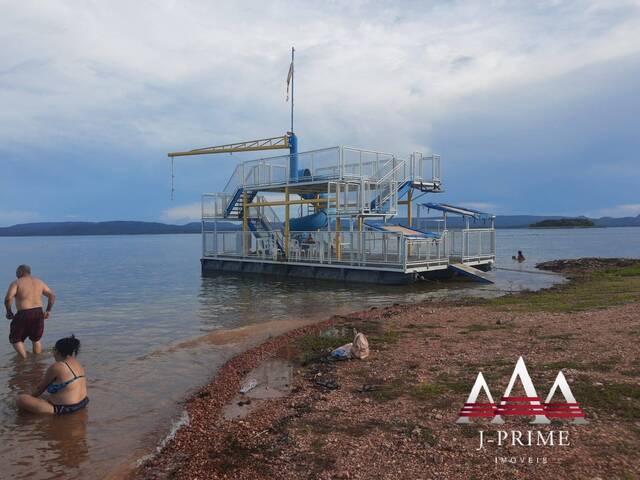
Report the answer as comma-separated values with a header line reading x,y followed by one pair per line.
x,y
292,77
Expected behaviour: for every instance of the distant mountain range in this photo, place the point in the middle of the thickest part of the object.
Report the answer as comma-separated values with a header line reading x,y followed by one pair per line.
x,y
96,228
524,221
155,228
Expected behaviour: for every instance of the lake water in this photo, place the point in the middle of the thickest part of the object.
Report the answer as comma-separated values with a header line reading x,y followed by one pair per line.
x,y
152,329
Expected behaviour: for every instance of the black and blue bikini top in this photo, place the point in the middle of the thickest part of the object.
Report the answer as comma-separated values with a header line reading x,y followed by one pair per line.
x,y
56,387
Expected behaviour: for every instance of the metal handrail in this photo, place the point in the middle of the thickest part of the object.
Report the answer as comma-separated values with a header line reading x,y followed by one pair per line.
x,y
367,248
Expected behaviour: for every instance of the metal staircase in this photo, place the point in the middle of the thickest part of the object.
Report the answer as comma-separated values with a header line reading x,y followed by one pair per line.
x,y
391,186
266,225
234,209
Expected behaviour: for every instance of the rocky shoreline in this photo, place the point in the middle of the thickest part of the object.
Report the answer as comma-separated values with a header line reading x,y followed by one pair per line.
x,y
394,414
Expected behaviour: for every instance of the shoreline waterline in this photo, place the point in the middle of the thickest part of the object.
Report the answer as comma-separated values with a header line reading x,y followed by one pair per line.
x,y
211,398
133,311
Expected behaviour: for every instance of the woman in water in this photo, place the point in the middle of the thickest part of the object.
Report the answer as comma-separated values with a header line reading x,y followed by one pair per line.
x,y
64,381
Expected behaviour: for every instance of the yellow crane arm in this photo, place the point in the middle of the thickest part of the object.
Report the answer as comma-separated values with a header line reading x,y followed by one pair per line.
x,y
274,143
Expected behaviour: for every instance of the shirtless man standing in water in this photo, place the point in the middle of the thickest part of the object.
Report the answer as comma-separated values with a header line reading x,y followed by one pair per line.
x,y
29,320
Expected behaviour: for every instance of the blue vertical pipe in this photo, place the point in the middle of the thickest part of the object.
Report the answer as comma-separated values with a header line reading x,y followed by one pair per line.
x,y
293,157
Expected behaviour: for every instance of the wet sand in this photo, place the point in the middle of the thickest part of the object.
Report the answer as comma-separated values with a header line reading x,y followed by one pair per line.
x,y
394,414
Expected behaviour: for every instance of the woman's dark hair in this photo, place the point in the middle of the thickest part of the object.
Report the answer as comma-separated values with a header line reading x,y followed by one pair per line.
x,y
68,346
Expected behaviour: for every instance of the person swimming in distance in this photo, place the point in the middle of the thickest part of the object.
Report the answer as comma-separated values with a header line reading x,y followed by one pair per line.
x,y
65,382
520,257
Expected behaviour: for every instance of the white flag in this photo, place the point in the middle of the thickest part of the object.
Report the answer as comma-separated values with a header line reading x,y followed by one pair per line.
x,y
289,78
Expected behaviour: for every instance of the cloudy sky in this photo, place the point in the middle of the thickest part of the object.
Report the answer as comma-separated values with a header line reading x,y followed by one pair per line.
x,y
534,106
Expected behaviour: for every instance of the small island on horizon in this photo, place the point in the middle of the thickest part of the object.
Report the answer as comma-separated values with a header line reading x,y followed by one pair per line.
x,y
564,223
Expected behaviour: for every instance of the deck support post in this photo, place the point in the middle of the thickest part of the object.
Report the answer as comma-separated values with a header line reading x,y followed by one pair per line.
x,y
286,221
409,216
409,200
245,223
338,252
360,240
338,245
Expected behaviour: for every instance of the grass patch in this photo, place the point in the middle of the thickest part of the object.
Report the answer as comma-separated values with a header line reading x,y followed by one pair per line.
x,y
605,365
614,286
564,365
385,338
619,399
389,391
312,347
559,336
468,431
421,391
496,372
234,455
483,327
451,384
432,336
479,327
427,391
421,326
317,444
423,434
324,426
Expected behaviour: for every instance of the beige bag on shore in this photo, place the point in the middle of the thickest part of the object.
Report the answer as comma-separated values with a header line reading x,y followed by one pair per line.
x,y
360,347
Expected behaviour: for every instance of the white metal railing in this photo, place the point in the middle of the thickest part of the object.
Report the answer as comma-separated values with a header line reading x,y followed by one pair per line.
x,y
366,248
214,205
354,248
240,244
425,168
266,213
380,173
335,163
472,244
387,187
270,222
223,243
427,250
258,172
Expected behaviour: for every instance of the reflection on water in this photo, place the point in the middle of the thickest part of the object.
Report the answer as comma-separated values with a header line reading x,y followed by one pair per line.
x,y
66,441
152,329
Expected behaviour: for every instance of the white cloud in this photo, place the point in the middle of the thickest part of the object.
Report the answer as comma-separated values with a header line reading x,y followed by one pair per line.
x,y
183,213
627,210
12,217
143,78
368,72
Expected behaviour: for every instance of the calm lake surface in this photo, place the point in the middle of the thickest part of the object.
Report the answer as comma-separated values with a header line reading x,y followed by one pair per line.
x,y
152,330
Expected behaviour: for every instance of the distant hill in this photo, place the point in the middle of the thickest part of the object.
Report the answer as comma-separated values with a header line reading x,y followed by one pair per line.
x,y
523,221
564,222
97,228
155,228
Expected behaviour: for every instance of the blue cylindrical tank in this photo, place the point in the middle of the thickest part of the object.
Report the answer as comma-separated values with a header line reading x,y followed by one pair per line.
x,y
293,157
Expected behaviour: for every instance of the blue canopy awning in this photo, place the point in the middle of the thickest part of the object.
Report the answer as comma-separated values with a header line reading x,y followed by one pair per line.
x,y
465,212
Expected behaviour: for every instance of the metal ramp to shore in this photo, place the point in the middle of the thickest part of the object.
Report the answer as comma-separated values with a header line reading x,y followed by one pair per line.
x,y
471,272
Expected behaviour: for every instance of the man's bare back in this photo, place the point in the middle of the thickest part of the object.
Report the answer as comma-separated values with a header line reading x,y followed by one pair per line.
x,y
27,291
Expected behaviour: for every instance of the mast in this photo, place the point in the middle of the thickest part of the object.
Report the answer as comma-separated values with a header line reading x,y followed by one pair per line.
x,y
293,140
292,81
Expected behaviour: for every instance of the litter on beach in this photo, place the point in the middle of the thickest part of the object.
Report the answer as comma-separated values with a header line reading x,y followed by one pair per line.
x,y
249,385
359,348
